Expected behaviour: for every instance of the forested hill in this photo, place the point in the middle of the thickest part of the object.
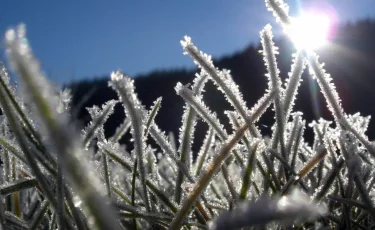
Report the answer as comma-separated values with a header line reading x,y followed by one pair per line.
x,y
350,59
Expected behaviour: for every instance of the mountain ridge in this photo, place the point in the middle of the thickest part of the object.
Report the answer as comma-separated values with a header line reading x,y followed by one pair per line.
x,y
350,60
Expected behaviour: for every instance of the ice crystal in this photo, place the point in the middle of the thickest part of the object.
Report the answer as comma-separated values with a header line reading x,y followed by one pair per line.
x,y
222,79
198,105
294,207
133,109
65,100
22,60
98,118
280,11
292,83
328,89
52,177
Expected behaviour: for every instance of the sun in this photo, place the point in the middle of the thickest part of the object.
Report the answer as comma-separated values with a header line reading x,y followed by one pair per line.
x,y
309,31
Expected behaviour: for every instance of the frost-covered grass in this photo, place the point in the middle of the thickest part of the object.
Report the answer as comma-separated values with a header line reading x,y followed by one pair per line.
x,y
55,176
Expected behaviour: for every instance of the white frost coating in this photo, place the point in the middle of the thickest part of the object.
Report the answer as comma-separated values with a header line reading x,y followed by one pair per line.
x,y
4,74
292,83
65,98
120,81
235,120
274,83
269,56
186,135
203,111
280,11
22,60
328,89
295,135
124,86
286,210
60,136
189,121
151,114
185,42
121,130
222,79
215,198
352,148
152,168
323,132
161,139
205,148
167,148
261,106
98,118
358,122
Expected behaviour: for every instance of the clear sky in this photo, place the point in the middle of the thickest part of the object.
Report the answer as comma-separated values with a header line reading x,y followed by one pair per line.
x,y
77,39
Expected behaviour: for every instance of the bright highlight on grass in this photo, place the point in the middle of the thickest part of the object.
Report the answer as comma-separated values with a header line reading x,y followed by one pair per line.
x,y
309,31
54,176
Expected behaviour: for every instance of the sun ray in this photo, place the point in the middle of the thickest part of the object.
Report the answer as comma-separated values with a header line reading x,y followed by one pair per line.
x,y
309,31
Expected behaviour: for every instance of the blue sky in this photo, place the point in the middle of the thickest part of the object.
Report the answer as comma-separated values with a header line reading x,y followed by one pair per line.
x,y
77,39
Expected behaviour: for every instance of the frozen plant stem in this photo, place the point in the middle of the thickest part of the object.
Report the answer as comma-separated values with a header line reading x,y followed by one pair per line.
x,y
133,108
328,89
49,182
186,135
205,179
223,153
269,56
222,79
280,10
59,134
333,100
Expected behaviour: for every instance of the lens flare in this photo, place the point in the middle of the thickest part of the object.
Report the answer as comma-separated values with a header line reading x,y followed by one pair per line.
x,y
309,31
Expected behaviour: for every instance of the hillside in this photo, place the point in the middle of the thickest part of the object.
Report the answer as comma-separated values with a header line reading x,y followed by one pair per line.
x,y
350,60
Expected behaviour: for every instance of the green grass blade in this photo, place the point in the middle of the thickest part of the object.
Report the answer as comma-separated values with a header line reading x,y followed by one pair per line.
x,y
246,182
38,218
133,190
17,186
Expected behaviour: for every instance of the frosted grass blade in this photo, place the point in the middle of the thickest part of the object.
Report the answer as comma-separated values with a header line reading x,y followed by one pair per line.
x,y
202,110
163,142
205,178
39,215
353,164
285,209
52,222
12,220
280,11
58,130
328,88
215,165
349,202
4,83
152,114
207,144
293,83
99,117
133,190
29,155
186,136
153,188
124,86
274,83
121,130
246,182
222,79
17,185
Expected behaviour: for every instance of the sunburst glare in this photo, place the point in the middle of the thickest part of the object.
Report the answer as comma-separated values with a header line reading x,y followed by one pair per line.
x,y
309,31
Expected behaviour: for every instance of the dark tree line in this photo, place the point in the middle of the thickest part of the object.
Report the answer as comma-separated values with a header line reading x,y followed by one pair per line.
x,y
350,60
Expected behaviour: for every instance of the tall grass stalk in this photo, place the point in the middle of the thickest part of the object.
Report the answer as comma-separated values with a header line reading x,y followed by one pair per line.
x,y
54,175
